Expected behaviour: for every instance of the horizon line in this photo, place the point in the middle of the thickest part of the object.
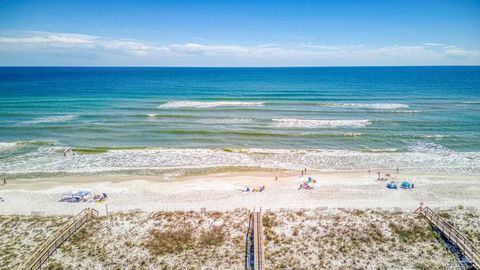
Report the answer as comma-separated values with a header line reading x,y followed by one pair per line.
x,y
340,66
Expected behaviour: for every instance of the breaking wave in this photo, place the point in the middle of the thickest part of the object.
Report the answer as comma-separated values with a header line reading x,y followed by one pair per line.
x,y
51,119
378,106
208,104
228,121
434,136
429,147
305,123
49,159
381,150
7,146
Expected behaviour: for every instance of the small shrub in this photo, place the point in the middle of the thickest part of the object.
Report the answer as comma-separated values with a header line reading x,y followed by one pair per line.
x,y
171,241
358,212
54,265
213,237
445,215
80,236
268,221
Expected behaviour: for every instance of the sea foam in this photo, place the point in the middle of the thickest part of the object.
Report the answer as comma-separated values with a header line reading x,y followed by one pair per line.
x,y
377,106
51,119
208,104
49,160
7,146
429,147
227,121
305,123
434,136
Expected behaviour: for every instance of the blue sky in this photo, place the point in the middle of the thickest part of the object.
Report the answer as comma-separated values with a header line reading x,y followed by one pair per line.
x,y
239,33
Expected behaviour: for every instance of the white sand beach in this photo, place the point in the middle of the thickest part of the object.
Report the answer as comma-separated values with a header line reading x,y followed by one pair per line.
x,y
223,191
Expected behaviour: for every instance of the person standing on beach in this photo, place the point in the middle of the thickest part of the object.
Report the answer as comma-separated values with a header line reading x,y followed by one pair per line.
x,y
397,170
4,181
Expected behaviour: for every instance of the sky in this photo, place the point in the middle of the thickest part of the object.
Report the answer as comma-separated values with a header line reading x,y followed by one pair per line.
x,y
239,33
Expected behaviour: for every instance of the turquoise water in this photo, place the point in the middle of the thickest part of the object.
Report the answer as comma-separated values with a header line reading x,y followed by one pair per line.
x,y
149,119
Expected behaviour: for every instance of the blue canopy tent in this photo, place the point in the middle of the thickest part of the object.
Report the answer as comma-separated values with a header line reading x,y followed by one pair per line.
x,y
406,185
392,185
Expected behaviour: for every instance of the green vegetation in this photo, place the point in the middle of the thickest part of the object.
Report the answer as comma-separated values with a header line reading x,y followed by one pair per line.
x,y
213,237
170,241
269,222
445,215
300,239
54,265
412,233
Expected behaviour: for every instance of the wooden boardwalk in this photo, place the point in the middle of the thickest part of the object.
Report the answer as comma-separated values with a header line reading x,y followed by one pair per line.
x,y
47,248
258,241
453,235
254,254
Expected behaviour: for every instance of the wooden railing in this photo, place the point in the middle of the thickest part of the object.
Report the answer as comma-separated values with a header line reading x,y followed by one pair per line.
x,y
453,234
47,248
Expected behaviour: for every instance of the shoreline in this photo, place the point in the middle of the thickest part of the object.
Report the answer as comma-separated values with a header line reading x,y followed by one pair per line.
x,y
222,191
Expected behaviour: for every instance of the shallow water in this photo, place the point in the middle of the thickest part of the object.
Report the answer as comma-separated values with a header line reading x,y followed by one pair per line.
x,y
422,118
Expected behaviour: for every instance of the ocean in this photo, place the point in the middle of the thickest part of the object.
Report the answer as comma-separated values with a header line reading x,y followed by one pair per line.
x,y
164,120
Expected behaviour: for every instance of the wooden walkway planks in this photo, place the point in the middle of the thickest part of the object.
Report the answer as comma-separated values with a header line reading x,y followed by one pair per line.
x,y
43,252
254,253
258,241
453,234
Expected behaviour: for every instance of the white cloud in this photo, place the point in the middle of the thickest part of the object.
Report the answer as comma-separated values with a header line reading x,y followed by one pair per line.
x,y
456,51
46,40
236,50
41,38
333,47
135,51
432,44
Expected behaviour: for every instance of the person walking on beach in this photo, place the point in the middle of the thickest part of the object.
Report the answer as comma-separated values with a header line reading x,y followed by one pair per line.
x,y
4,181
302,172
397,169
